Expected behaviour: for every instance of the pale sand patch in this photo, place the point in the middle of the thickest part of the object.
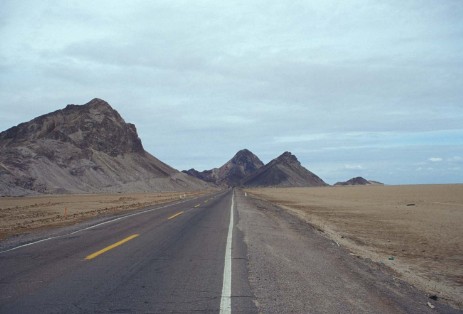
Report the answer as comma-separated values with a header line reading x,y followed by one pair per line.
x,y
24,214
416,230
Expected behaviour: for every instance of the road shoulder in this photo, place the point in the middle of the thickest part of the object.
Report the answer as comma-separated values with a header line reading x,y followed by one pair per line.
x,y
294,268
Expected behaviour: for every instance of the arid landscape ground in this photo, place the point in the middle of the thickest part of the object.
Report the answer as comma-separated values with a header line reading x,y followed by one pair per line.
x,y
416,230
24,214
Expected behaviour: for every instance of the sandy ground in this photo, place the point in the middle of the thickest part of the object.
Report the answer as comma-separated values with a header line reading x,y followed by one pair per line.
x,y
416,230
24,214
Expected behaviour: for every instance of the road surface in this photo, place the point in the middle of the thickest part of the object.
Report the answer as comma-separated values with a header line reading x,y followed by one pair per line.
x,y
196,256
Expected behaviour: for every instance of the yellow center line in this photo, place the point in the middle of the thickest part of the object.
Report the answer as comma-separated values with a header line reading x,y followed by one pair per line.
x,y
173,216
112,246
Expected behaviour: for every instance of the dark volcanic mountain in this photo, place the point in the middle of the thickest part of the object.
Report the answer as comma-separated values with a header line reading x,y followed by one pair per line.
x,y
82,148
358,181
284,171
243,164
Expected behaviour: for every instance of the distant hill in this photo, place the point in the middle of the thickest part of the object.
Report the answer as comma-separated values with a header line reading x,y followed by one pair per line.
x,y
82,149
206,175
239,167
232,172
358,181
247,170
284,171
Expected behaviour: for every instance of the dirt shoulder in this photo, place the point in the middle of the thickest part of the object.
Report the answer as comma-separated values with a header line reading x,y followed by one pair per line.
x,y
415,230
19,215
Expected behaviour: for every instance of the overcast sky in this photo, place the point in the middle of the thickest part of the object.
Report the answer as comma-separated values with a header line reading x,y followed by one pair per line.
x,y
352,88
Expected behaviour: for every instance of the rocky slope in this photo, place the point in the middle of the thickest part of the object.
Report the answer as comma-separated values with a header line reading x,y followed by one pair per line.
x,y
243,164
358,181
206,175
82,149
284,171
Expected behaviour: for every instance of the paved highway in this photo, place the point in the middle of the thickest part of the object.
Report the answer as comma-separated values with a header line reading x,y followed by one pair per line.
x,y
165,260
196,256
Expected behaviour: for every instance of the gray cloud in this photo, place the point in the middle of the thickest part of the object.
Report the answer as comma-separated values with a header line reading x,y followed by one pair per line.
x,y
352,87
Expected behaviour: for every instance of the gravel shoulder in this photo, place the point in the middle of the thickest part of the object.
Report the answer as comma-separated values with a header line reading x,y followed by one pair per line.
x,y
413,229
293,267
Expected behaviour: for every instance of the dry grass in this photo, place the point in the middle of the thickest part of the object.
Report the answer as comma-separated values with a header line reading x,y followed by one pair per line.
x,y
416,230
24,214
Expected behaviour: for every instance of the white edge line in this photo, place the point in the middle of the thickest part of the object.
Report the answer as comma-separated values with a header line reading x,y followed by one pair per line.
x,y
94,226
225,301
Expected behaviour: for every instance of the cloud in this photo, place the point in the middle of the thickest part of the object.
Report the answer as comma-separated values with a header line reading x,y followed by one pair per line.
x,y
435,159
353,167
357,83
455,159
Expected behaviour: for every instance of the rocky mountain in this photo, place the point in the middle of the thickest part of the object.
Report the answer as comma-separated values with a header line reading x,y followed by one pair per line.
x,y
284,171
82,149
358,181
243,164
206,175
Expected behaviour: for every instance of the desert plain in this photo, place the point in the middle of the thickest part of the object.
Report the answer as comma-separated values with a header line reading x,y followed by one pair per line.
x,y
416,230
20,215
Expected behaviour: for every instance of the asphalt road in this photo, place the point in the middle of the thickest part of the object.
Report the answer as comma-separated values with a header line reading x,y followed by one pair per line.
x,y
172,261
185,258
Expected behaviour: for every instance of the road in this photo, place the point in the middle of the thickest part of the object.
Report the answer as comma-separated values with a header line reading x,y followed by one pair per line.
x,y
194,256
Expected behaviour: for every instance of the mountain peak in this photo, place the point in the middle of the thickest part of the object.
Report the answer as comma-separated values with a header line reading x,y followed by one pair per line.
x,y
98,102
236,169
94,104
283,171
95,109
287,157
94,125
243,152
243,163
245,156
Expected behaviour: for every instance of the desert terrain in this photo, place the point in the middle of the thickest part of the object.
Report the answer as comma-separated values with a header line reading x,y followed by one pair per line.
x,y
416,230
24,214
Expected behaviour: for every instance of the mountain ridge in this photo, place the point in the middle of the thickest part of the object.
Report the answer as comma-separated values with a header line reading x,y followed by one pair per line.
x,y
246,170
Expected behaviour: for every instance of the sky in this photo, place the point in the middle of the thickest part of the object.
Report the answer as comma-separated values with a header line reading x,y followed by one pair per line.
x,y
352,88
